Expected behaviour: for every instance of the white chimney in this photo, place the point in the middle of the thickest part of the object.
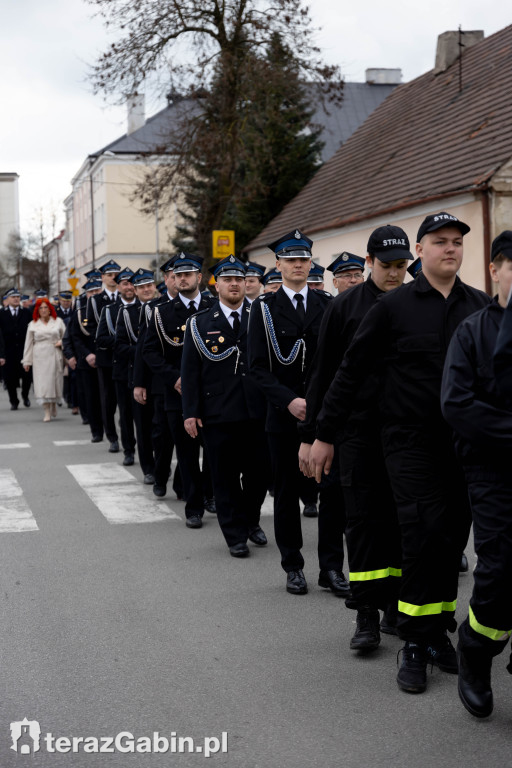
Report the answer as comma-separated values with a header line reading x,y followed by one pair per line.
x,y
448,48
136,116
383,76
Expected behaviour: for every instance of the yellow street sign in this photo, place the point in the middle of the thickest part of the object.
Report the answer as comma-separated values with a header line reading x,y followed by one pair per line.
x,y
223,243
73,282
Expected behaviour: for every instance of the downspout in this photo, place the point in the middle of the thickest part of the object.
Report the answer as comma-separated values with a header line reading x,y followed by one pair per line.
x,y
486,218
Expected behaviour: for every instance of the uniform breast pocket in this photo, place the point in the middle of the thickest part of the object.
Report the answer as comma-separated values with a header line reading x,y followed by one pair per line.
x,y
214,389
421,344
287,330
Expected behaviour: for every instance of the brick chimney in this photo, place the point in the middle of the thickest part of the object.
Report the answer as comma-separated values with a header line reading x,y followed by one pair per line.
x,y
136,116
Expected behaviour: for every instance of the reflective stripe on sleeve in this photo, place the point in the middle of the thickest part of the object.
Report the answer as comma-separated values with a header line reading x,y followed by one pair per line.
x,y
382,573
430,609
492,634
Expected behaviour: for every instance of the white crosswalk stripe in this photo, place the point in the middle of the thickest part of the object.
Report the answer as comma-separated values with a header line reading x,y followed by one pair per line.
x,y
10,446
66,443
119,496
15,514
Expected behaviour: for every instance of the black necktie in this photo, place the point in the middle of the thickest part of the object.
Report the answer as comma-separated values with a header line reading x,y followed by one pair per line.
x,y
191,307
299,298
236,322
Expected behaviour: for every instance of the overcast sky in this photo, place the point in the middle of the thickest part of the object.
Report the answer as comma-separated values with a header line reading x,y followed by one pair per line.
x,y
50,121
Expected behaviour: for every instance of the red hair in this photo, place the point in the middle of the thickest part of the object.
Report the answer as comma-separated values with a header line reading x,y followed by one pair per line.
x,y
37,305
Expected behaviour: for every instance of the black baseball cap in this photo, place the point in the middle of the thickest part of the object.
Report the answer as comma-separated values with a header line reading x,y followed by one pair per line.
x,y
389,243
502,244
439,220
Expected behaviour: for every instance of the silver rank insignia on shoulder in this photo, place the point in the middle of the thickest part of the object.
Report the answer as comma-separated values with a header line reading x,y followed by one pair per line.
x,y
215,314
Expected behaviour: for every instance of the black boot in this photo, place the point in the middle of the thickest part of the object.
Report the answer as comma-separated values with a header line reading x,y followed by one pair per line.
x,y
367,634
475,690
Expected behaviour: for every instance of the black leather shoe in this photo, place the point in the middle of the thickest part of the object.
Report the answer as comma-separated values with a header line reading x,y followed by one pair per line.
x,y
367,635
159,490
14,407
442,653
389,619
310,510
335,581
257,536
149,479
464,565
296,583
412,673
128,460
26,402
475,690
85,422
194,521
114,446
239,550
209,505
97,439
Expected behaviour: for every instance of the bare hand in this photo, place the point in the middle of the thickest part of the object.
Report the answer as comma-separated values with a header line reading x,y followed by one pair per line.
x,y
297,408
72,363
140,395
304,452
177,387
26,368
91,360
320,459
191,426
58,343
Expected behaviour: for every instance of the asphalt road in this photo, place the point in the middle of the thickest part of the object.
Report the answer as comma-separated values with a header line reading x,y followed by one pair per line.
x,y
145,626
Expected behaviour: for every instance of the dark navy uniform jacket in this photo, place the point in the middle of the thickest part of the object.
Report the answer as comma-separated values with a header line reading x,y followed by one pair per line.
x,y
407,332
14,330
219,391
340,322
281,383
142,373
472,403
105,337
95,307
130,319
163,344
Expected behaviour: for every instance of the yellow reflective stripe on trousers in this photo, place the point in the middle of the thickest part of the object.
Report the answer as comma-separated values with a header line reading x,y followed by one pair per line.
x,y
493,634
383,573
430,609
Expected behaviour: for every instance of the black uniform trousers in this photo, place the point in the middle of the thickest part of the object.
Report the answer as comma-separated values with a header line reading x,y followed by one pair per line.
x,y
108,402
435,519
162,440
188,451
124,397
372,532
235,450
489,624
143,417
12,381
90,387
331,520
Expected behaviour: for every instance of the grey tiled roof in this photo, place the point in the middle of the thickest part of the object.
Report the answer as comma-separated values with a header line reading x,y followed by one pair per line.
x,y
340,122
359,101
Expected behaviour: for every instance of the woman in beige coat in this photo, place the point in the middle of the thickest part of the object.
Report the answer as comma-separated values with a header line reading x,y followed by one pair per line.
x,y
43,351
